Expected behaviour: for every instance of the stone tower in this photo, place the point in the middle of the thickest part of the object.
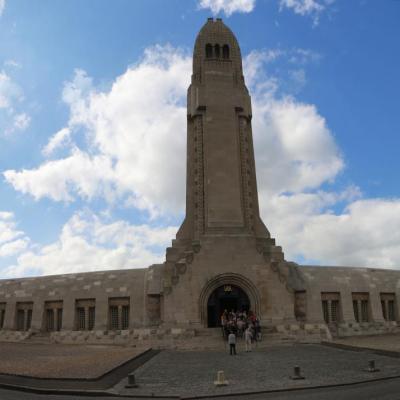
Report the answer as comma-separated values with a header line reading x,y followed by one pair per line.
x,y
222,246
221,190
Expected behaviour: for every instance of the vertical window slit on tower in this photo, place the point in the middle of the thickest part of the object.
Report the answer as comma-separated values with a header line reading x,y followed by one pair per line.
x,y
225,51
209,50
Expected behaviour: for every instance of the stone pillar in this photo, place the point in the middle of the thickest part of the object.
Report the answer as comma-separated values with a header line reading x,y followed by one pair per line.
x,y
101,318
397,305
137,308
37,316
68,317
376,306
10,316
314,306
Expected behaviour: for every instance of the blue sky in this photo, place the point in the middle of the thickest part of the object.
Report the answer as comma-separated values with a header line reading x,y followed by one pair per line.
x,y
92,128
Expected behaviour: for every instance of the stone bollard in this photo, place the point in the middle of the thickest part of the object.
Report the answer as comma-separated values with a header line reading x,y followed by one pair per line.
x,y
296,373
221,379
131,381
371,366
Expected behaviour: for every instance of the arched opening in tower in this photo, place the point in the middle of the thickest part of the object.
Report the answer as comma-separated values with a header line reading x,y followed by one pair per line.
x,y
226,297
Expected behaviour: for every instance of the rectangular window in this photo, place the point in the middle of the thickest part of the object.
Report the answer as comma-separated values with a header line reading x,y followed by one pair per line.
x,y
2,314
92,311
50,320
53,314
355,309
85,314
364,311
325,310
20,320
29,319
118,313
335,310
125,317
361,306
24,316
391,313
388,306
114,317
59,318
81,319
331,306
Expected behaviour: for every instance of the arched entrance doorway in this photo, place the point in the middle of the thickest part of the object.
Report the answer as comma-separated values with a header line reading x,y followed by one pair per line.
x,y
225,297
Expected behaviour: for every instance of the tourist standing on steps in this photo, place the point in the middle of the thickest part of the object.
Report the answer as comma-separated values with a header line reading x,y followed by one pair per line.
x,y
248,336
232,343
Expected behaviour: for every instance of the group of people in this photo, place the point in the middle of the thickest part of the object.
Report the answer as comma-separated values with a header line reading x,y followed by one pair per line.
x,y
240,324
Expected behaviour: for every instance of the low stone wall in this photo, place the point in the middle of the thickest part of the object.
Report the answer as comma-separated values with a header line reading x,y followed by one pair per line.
x,y
183,338
13,336
122,337
367,328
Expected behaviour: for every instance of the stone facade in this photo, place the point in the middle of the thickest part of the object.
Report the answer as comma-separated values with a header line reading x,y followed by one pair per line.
x,y
223,254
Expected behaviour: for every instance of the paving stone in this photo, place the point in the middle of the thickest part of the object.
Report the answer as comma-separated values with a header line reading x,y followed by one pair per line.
x,y
194,372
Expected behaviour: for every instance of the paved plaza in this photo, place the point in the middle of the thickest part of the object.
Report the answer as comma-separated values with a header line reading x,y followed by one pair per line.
x,y
388,342
62,361
187,373
192,373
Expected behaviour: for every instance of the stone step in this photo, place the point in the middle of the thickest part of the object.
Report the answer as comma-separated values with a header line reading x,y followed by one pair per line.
x,y
207,332
38,338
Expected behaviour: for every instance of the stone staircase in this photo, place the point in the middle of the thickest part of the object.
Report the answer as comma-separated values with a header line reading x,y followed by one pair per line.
x,y
177,338
38,338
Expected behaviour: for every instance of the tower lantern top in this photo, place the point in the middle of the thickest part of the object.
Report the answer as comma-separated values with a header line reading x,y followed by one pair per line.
x,y
216,43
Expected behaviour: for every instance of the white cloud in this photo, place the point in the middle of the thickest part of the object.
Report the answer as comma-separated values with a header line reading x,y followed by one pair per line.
x,y
311,8
136,133
9,91
21,121
228,6
10,96
79,174
12,248
295,149
2,6
59,139
12,63
12,240
365,234
90,243
8,229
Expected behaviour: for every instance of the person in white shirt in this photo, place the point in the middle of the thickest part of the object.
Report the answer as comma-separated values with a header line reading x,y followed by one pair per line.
x,y
232,343
248,337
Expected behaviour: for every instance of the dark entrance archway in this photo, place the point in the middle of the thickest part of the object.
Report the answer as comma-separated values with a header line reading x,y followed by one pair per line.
x,y
225,297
